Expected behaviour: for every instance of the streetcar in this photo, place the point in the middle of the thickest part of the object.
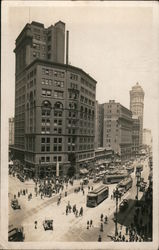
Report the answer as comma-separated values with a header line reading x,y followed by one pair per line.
x,y
126,183
15,233
48,224
109,179
130,169
96,196
139,169
123,205
15,204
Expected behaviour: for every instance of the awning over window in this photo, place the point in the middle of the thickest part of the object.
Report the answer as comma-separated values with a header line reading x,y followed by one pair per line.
x,y
83,171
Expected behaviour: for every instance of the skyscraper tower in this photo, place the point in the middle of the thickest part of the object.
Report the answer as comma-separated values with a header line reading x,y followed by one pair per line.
x,y
137,106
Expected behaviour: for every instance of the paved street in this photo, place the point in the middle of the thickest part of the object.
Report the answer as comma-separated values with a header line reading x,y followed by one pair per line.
x,y
68,227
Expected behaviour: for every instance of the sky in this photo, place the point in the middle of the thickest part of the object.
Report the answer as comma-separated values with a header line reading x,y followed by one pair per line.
x,y
116,43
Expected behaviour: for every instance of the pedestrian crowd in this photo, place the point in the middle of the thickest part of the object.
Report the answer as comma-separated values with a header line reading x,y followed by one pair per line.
x,y
74,209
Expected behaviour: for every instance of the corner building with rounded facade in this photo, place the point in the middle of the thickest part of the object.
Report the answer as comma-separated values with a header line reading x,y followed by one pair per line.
x,y
60,114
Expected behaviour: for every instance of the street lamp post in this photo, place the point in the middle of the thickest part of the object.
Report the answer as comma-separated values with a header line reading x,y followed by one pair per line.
x,y
116,195
138,176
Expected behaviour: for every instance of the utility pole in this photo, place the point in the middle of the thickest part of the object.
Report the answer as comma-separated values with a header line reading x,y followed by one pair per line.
x,y
116,194
138,176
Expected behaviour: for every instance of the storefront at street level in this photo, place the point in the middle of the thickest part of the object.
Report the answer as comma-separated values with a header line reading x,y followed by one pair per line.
x,y
103,156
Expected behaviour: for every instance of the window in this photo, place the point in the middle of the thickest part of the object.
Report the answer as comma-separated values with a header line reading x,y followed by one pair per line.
x,y
69,139
43,140
58,94
59,84
43,130
47,130
55,140
73,85
74,77
46,113
57,113
59,158
59,130
55,158
60,148
46,92
43,148
48,148
49,38
37,37
59,122
46,71
46,81
42,159
49,47
48,140
36,54
58,105
36,46
47,158
55,148
59,74
55,122
60,140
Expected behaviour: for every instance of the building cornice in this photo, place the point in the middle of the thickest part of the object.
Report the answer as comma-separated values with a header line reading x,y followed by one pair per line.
x,y
64,66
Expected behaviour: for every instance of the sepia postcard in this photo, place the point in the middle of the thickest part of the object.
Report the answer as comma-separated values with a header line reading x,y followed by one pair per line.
x,y
79,125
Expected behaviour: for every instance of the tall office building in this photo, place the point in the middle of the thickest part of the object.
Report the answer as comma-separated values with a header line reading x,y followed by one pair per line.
x,y
137,106
54,103
135,135
147,137
11,131
99,117
117,129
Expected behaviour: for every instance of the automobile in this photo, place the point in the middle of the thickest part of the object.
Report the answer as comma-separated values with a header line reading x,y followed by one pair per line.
x,y
123,205
97,179
121,191
48,224
142,186
21,178
15,204
85,181
15,233
90,176
53,192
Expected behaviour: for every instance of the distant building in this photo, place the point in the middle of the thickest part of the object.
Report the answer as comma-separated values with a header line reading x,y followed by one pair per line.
x,y
135,135
147,137
99,118
103,156
117,129
54,104
137,106
11,131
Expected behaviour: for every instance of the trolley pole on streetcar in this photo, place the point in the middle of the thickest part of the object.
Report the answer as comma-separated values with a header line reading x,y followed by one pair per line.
x,y
116,194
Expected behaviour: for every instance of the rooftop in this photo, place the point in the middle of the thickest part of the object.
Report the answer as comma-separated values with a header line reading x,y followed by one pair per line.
x,y
137,88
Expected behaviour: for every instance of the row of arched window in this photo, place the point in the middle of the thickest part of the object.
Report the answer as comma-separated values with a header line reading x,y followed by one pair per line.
x,y
58,105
